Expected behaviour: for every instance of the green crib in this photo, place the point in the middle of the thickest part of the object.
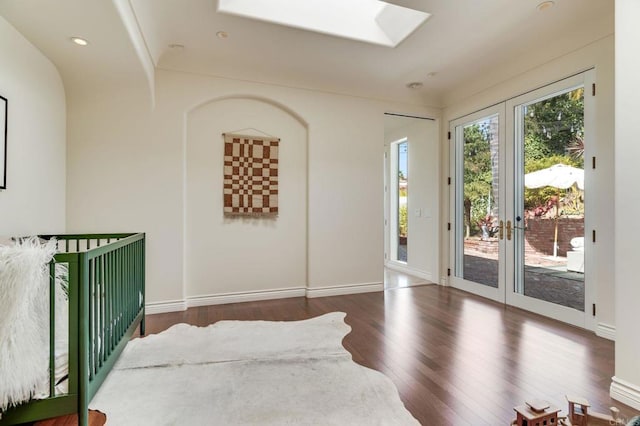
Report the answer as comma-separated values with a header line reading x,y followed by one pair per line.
x,y
106,297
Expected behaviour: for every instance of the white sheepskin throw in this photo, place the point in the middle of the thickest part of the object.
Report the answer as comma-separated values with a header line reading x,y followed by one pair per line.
x,y
24,320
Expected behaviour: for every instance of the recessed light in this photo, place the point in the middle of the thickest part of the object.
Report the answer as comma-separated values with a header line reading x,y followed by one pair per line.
x,y
432,74
546,5
414,85
176,46
222,34
79,41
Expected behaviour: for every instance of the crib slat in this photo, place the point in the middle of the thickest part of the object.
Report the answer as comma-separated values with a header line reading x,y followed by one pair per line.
x,y
90,289
125,273
120,291
107,280
96,306
132,283
102,319
140,280
129,285
114,299
99,320
98,297
132,277
105,343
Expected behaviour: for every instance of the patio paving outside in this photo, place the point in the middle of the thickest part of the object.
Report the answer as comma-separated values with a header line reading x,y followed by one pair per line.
x,y
545,279
402,252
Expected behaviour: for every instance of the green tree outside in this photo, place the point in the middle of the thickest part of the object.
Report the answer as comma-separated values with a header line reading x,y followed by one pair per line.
x,y
553,134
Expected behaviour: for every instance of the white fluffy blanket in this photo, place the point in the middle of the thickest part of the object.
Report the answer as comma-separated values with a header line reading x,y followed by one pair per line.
x,y
248,373
24,320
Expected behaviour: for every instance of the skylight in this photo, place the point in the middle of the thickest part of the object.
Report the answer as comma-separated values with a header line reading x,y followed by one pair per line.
x,y
371,21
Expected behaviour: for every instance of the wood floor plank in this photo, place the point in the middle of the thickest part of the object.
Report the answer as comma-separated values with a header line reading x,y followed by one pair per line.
x,y
96,418
456,358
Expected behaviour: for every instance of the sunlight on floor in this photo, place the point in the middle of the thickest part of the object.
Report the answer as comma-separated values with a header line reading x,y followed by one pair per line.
x,y
396,279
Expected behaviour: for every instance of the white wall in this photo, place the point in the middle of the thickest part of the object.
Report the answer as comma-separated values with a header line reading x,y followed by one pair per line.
x,y
423,195
34,201
247,254
626,383
597,55
125,174
127,167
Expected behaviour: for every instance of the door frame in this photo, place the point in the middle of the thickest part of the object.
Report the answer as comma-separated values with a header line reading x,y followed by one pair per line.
x,y
513,105
455,129
392,218
505,293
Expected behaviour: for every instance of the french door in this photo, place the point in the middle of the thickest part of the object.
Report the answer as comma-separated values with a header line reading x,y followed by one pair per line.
x,y
518,201
478,203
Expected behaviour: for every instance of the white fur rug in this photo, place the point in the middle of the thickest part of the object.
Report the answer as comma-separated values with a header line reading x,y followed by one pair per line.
x,y
248,373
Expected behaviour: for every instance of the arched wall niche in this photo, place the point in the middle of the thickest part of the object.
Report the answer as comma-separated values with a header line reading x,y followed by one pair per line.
x,y
226,258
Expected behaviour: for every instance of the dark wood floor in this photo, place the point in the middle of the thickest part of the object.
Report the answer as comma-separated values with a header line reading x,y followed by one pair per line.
x,y
456,359
96,418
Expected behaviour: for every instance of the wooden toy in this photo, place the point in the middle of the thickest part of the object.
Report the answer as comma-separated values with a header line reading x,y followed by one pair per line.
x,y
537,412
580,415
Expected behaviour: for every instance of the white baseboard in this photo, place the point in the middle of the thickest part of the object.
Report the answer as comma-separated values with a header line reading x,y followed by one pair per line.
x,y
607,331
340,290
254,296
625,392
164,307
409,270
245,296
444,281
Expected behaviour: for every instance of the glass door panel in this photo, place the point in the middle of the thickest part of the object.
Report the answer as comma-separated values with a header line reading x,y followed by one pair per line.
x,y
552,200
398,200
478,204
548,220
403,196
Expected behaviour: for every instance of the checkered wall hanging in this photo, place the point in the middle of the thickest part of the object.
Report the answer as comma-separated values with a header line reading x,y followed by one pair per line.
x,y
250,175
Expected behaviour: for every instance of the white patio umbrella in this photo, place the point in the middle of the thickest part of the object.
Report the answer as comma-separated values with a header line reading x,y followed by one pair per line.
x,y
558,176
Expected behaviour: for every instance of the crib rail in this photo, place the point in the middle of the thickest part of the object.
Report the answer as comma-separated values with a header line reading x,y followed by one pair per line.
x,y
111,303
75,243
115,303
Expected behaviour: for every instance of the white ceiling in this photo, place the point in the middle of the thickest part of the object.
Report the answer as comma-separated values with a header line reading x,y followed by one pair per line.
x,y
463,40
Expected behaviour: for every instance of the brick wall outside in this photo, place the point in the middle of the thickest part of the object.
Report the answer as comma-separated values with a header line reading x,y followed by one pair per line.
x,y
538,237
540,232
489,246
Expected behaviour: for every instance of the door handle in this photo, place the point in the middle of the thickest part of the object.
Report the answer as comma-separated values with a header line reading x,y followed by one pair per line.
x,y
510,229
501,230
